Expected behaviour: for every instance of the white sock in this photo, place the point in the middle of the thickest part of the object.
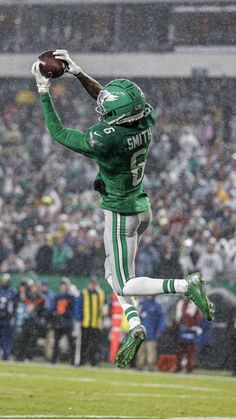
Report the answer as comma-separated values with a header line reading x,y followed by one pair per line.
x,y
142,285
181,286
128,305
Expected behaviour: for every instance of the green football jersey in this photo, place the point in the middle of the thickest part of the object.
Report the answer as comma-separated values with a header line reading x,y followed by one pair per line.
x,y
120,152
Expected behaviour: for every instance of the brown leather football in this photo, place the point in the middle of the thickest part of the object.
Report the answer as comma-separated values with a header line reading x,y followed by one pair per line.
x,y
50,66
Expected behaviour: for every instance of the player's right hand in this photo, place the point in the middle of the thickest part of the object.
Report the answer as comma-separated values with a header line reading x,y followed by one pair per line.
x,y
43,83
62,54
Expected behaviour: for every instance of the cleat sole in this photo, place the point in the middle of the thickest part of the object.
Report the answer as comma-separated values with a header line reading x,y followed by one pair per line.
x,y
207,308
126,354
210,306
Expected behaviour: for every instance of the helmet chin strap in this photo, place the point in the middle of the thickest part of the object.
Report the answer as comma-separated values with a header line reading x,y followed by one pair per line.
x,y
99,113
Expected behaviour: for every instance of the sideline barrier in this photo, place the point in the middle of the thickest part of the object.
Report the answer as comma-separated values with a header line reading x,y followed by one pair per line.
x,y
54,280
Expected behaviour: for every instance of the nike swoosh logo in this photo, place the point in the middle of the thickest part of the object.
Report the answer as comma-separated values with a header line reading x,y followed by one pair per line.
x,y
96,133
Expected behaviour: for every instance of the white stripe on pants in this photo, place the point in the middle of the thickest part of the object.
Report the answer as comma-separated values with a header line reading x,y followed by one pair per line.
x,y
121,237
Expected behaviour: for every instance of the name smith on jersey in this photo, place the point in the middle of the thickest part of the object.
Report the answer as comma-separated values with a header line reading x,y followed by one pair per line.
x,y
140,139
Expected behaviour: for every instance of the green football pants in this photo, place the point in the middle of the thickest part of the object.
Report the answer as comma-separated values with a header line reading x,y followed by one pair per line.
x,y
121,238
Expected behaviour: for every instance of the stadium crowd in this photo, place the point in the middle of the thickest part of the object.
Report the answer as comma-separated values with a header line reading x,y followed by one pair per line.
x,y
50,219
84,28
112,27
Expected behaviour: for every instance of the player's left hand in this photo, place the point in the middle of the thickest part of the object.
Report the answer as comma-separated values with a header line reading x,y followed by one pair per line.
x,y
62,54
43,83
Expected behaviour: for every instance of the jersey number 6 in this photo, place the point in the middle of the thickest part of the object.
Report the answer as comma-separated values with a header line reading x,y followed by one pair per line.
x,y
137,166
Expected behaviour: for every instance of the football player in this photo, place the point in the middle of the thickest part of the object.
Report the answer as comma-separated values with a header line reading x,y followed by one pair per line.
x,y
119,144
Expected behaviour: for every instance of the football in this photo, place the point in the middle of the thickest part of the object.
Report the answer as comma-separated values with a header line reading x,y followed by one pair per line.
x,y
50,66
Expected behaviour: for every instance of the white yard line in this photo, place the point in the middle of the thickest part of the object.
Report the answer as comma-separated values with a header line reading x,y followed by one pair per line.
x,y
159,385
171,396
112,382
192,376
47,377
153,395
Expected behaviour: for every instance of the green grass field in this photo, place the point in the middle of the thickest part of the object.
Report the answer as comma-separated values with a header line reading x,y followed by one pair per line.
x,y
44,391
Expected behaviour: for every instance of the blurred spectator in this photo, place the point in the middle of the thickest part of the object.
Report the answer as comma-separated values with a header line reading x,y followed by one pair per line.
x,y
205,131
29,305
7,296
89,313
12,263
187,323
20,316
152,318
187,141
6,247
62,253
63,320
29,250
43,258
49,298
46,318
169,266
232,332
205,344
210,263
148,258
185,259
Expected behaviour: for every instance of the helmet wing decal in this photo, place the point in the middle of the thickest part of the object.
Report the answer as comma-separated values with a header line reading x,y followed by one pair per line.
x,y
104,95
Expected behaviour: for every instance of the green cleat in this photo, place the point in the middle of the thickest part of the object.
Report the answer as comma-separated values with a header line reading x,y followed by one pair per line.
x,y
130,346
196,292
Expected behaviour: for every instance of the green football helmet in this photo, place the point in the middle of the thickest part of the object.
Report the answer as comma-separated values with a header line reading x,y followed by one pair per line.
x,y
120,101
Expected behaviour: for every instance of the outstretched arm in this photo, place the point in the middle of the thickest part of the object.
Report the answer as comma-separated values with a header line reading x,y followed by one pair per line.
x,y
73,139
91,85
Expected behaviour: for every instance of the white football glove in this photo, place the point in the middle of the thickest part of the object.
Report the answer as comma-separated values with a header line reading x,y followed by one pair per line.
x,y
43,83
62,54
